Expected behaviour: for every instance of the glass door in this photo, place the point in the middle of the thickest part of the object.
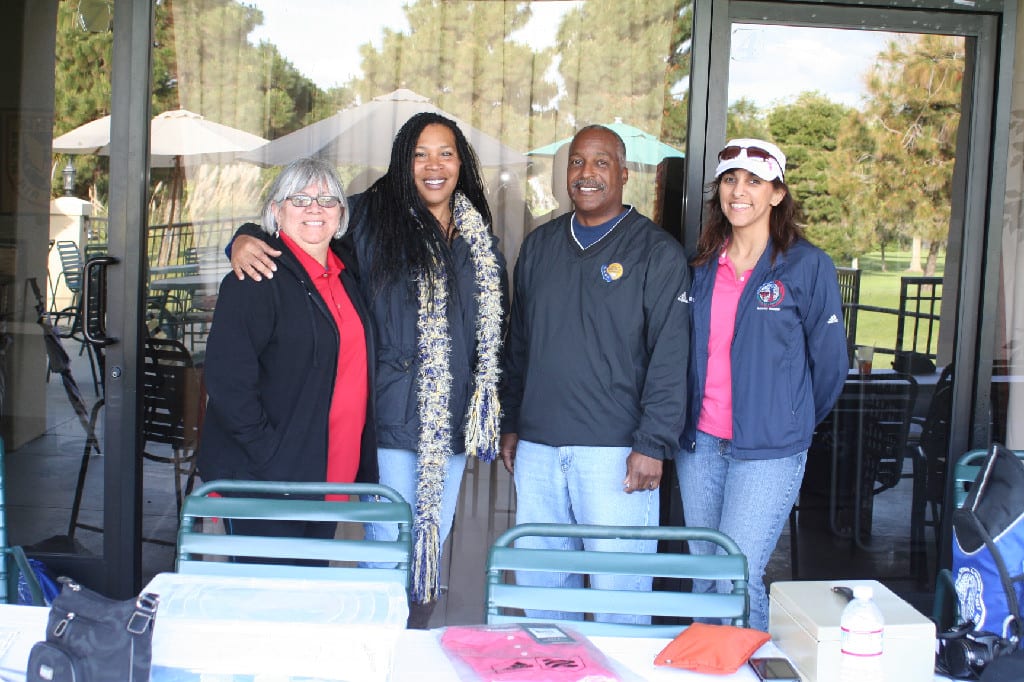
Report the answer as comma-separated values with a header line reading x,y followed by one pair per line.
x,y
879,114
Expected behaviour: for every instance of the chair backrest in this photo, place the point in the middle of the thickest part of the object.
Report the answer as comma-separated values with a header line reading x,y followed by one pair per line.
x,y
172,394
849,290
965,472
502,596
212,554
934,440
917,327
71,265
874,413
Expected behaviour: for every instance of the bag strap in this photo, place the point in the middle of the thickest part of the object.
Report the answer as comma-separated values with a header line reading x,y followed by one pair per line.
x,y
145,612
1004,577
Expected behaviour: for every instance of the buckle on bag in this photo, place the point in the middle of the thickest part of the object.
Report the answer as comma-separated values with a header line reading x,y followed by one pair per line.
x,y
145,608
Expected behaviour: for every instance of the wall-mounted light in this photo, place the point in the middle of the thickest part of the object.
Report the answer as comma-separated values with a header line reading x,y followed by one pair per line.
x,y
69,179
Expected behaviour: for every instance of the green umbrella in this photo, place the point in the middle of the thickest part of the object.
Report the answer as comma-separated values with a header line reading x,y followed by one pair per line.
x,y
641,148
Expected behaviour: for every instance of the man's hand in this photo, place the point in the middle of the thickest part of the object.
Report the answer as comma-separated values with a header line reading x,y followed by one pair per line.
x,y
642,472
507,447
252,256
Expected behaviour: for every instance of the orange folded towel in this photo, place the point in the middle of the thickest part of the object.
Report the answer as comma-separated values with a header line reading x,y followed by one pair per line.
x,y
716,649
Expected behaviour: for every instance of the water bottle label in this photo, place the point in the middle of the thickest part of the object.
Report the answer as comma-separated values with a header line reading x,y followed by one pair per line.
x,y
861,642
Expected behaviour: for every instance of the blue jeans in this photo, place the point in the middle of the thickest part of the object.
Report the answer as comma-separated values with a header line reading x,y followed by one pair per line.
x,y
748,500
398,471
581,484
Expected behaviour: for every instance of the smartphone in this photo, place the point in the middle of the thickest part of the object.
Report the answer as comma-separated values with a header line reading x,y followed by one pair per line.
x,y
774,670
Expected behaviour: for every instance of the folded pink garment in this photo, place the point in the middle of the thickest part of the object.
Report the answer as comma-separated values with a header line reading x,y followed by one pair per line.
x,y
526,653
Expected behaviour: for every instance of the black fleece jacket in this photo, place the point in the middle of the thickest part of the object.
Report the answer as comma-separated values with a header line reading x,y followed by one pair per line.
x,y
271,362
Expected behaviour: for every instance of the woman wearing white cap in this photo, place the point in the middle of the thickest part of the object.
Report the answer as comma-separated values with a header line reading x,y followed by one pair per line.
x,y
768,359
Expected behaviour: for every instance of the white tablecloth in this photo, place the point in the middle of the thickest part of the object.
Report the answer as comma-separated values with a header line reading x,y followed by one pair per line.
x,y
418,656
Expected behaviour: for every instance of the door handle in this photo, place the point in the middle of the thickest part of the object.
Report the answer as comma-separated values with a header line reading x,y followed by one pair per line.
x,y
94,301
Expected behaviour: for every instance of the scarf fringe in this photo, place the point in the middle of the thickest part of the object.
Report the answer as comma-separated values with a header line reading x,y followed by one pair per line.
x,y
483,422
425,569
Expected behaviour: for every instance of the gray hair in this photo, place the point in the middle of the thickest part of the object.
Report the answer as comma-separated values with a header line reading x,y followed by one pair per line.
x,y
295,177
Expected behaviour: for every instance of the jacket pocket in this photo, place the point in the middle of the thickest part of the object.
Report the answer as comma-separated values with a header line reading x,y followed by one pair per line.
x,y
396,386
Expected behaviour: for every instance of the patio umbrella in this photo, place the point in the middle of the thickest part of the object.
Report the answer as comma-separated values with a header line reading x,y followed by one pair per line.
x,y
641,148
364,134
177,137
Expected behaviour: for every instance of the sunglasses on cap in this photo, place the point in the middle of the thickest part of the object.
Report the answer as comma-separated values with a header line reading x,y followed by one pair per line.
x,y
732,151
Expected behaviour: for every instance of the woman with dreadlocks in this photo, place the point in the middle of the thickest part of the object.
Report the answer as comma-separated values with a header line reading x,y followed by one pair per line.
x,y
437,287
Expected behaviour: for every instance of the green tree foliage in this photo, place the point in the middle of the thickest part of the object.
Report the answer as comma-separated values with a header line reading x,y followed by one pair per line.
x,y
203,62
464,57
746,120
860,228
677,78
82,92
914,111
615,61
807,130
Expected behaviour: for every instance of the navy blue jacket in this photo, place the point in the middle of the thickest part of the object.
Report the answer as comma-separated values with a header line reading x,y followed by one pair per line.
x,y
789,357
271,363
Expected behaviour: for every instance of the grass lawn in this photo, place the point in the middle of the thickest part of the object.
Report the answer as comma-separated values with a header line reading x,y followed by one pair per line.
x,y
882,288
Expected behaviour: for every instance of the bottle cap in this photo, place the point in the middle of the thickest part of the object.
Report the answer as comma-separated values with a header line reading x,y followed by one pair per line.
x,y
863,592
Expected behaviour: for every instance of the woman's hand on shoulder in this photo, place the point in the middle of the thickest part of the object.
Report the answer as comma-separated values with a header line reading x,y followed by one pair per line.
x,y
253,257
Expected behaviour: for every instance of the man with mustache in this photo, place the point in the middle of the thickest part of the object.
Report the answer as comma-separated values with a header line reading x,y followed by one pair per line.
x,y
594,392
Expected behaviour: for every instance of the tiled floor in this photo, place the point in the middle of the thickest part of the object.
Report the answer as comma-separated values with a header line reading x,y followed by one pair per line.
x,y
41,479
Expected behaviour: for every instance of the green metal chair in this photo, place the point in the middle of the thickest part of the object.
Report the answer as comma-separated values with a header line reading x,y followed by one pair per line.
x,y
14,563
504,600
215,554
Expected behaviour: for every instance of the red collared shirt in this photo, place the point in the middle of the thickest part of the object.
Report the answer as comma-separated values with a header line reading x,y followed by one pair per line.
x,y
348,404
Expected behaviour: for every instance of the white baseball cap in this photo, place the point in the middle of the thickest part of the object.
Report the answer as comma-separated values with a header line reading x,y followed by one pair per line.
x,y
760,157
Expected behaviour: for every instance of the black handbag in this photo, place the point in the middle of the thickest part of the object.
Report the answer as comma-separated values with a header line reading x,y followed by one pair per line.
x,y
91,638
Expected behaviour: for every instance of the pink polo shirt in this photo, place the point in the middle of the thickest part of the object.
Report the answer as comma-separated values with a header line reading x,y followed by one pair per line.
x,y
716,409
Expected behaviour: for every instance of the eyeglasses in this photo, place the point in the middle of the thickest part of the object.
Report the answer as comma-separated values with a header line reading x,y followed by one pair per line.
x,y
732,151
304,200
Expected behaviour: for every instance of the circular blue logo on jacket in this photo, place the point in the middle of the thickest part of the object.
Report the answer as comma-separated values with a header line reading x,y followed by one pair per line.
x,y
770,294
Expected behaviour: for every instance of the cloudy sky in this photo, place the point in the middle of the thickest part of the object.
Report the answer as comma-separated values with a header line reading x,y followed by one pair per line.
x,y
830,61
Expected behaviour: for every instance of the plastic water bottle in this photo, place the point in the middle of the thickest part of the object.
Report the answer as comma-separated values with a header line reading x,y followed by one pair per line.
x,y
861,628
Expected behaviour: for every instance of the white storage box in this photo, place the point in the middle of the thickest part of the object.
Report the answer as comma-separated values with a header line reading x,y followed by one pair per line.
x,y
213,627
803,620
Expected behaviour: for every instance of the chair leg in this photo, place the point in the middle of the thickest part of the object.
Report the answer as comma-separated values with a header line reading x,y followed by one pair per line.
x,y
918,552
96,378
184,465
91,443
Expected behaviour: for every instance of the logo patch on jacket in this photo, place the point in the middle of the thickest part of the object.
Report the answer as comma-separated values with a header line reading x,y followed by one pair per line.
x,y
611,272
770,295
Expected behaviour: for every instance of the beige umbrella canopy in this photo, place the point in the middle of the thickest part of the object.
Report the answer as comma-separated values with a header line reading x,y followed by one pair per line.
x,y
177,137
364,134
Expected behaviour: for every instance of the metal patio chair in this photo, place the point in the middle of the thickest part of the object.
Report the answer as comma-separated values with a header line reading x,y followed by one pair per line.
x,y
504,599
218,554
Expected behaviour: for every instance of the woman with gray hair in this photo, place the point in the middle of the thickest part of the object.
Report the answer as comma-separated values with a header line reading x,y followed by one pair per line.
x,y
289,362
